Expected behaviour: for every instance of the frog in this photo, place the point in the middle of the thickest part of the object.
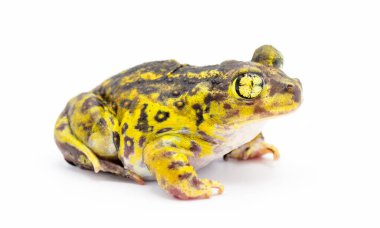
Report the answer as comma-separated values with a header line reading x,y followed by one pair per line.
x,y
164,120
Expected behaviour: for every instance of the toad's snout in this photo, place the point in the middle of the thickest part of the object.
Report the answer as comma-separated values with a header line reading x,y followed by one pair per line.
x,y
296,90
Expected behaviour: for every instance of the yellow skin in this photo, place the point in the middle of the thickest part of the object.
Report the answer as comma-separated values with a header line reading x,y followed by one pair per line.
x,y
163,120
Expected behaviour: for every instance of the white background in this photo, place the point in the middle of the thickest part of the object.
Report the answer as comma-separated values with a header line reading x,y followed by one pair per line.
x,y
328,174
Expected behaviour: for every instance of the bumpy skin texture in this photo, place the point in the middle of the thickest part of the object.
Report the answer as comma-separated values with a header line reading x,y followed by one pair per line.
x,y
163,120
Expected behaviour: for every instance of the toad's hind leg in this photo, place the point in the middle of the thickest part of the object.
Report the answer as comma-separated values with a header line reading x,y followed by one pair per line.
x,y
256,148
78,134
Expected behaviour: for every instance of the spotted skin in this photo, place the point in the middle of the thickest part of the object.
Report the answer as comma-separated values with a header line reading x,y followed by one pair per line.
x,y
164,120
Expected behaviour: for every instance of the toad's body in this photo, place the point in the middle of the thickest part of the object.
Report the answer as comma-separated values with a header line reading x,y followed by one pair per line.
x,y
163,120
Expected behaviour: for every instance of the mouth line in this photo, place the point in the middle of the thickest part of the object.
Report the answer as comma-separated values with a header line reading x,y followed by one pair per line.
x,y
263,117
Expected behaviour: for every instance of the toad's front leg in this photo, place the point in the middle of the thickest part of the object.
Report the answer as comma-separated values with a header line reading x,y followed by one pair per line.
x,y
168,161
256,148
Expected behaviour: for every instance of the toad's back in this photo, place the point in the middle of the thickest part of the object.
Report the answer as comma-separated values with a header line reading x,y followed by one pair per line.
x,y
167,79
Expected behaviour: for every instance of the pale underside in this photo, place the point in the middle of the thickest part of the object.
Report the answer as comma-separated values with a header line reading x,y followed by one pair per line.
x,y
234,136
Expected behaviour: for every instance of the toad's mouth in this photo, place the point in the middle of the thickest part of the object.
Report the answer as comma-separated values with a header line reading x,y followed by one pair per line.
x,y
284,110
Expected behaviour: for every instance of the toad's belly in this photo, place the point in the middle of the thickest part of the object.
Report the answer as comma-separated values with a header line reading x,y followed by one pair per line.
x,y
234,138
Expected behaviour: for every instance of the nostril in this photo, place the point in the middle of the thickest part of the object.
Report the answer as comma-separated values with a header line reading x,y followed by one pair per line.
x,y
290,88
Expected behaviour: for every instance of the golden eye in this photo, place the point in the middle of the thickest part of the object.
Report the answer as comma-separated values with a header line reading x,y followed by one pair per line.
x,y
248,85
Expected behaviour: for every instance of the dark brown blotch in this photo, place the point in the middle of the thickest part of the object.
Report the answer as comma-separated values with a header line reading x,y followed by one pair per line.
x,y
196,182
102,91
198,113
207,138
276,87
227,106
124,128
214,97
114,106
176,164
91,102
116,140
195,148
102,123
142,122
163,130
259,109
62,126
179,104
168,154
208,99
111,120
87,127
184,176
128,146
232,113
161,116
142,141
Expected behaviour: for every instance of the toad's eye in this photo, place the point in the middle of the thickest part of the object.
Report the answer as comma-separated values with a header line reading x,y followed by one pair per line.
x,y
248,85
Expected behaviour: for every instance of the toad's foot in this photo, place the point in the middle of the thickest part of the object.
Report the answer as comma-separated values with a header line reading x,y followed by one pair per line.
x,y
195,188
253,149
